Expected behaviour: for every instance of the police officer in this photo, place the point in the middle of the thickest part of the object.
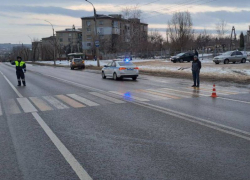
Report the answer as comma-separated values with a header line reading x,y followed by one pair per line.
x,y
20,70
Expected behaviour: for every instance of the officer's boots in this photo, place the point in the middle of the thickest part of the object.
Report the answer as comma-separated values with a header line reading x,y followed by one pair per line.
x,y
24,83
19,83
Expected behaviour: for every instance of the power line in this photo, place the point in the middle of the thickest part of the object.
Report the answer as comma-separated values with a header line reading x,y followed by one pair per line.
x,y
180,9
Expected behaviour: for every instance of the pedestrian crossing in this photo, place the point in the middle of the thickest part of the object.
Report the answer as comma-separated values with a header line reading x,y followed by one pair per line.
x,y
95,99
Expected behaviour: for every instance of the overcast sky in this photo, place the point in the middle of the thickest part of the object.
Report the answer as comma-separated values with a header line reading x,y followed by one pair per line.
x,y
21,20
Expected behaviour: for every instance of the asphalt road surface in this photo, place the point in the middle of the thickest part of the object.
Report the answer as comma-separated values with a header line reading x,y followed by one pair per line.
x,y
70,125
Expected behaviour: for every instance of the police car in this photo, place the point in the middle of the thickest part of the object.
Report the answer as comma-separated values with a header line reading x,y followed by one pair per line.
x,y
120,69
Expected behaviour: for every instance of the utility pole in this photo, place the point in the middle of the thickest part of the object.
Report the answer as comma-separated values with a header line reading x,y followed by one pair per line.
x,y
96,34
233,39
54,39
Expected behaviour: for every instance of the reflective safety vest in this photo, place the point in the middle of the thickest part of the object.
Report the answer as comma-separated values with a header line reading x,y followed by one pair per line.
x,y
19,64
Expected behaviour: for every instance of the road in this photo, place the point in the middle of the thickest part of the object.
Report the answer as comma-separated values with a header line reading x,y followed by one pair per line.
x,y
70,125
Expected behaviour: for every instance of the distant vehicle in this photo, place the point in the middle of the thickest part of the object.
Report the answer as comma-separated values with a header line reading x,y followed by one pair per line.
x,y
120,69
231,56
188,56
77,63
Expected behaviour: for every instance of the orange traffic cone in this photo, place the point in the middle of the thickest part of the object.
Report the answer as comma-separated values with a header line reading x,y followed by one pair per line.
x,y
214,95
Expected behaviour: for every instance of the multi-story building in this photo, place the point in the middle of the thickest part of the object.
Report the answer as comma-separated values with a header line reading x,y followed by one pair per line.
x,y
70,40
112,30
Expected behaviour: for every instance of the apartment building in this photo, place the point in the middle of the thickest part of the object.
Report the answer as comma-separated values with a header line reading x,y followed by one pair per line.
x,y
70,39
111,28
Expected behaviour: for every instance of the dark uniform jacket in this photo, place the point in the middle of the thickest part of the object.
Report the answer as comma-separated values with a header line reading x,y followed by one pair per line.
x,y
20,65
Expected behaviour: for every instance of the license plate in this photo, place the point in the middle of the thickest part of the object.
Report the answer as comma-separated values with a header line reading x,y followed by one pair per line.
x,y
130,69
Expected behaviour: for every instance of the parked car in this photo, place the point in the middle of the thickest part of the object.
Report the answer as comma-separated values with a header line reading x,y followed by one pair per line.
x,y
120,69
231,56
77,63
188,56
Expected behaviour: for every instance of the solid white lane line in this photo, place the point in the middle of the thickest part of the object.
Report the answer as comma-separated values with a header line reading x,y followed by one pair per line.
x,y
26,105
11,85
42,105
83,100
235,100
12,107
70,101
1,111
114,100
54,102
76,166
132,97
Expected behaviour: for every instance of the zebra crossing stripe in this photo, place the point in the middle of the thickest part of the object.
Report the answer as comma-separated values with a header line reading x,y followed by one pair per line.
x,y
83,100
160,94
117,101
70,101
182,95
132,97
54,102
26,105
42,105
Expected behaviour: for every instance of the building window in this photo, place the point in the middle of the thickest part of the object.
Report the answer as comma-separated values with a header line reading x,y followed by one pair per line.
x,y
88,23
88,29
89,37
70,35
89,44
115,24
61,39
101,22
69,39
101,31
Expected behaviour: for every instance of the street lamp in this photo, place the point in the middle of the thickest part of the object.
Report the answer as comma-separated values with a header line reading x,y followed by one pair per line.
x,y
96,33
54,40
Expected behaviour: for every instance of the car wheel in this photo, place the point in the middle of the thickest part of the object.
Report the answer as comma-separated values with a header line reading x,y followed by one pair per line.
x,y
174,61
72,68
134,78
243,61
181,61
103,75
217,63
226,61
115,76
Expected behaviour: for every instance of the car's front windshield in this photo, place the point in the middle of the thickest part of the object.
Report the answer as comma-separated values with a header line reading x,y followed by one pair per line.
x,y
181,54
227,53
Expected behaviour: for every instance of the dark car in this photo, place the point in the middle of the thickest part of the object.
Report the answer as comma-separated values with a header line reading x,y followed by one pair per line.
x,y
182,57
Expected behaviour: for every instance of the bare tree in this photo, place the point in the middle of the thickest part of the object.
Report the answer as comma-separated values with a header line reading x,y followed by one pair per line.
x,y
180,30
203,39
221,28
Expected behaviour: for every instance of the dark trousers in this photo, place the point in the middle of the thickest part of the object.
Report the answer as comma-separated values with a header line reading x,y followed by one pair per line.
x,y
20,76
196,78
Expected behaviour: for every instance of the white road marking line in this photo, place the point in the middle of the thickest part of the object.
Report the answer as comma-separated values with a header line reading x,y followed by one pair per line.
x,y
12,107
54,102
114,100
76,166
1,112
70,102
83,100
26,105
132,97
164,91
246,102
152,97
42,105
141,104
219,127
185,92
11,85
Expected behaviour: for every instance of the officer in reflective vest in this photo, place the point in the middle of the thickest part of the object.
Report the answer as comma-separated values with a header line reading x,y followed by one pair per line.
x,y
20,70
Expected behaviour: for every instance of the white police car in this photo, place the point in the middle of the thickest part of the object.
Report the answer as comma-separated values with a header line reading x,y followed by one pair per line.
x,y
120,69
